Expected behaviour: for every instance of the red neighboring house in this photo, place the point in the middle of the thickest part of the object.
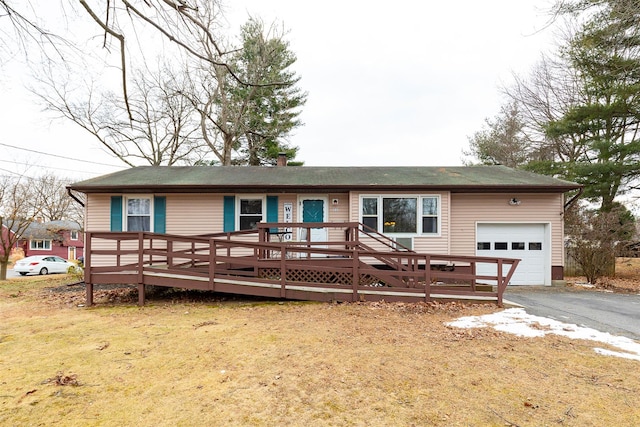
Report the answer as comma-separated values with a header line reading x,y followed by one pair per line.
x,y
62,238
5,236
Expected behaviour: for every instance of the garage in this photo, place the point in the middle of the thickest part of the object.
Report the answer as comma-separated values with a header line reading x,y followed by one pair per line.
x,y
528,242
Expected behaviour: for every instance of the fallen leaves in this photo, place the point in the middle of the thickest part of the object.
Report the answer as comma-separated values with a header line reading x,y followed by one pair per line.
x,y
62,379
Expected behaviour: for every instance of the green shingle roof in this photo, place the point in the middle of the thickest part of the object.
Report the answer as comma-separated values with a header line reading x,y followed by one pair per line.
x,y
301,178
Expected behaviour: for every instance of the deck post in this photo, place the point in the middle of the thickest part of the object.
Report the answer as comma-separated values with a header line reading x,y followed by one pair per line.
x,y
427,278
89,287
283,272
473,272
140,257
87,269
141,268
169,253
500,283
212,264
356,274
141,294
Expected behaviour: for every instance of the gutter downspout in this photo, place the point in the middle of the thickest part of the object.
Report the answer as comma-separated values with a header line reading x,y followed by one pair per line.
x,y
74,197
573,199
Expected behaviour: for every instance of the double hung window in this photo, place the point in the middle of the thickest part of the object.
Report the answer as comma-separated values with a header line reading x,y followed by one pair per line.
x,y
138,214
250,213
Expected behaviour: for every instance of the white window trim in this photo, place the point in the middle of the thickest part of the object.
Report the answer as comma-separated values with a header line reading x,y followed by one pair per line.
x,y
125,216
260,197
44,244
418,197
77,233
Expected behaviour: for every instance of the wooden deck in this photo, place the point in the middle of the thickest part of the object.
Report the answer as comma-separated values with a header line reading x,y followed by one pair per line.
x,y
258,263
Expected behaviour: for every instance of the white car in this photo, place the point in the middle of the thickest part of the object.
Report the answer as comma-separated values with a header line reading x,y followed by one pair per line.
x,y
43,264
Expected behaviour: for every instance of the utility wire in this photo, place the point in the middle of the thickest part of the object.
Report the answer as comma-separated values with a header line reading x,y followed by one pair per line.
x,y
61,157
49,167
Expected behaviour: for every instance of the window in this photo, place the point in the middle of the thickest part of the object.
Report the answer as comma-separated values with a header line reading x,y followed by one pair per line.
x,y
429,215
74,235
138,214
250,213
399,215
517,246
40,245
370,212
484,246
407,215
535,246
500,246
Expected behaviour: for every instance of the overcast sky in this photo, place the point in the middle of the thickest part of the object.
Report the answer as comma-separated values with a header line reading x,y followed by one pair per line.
x,y
389,83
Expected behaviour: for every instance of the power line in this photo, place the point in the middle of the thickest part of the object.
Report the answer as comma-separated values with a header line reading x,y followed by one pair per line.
x,y
49,167
56,155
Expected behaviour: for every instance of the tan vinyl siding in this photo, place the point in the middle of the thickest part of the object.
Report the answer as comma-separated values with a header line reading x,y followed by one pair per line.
x,y
98,219
469,209
194,214
98,212
338,213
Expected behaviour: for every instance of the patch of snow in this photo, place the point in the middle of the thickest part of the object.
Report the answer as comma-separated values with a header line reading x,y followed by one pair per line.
x,y
516,321
585,285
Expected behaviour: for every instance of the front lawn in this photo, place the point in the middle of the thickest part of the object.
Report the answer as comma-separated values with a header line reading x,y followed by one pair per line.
x,y
197,359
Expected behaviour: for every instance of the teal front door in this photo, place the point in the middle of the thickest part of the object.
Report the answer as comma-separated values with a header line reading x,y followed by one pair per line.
x,y
313,211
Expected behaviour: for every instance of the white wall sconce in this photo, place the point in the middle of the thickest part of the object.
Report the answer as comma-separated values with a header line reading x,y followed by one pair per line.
x,y
514,201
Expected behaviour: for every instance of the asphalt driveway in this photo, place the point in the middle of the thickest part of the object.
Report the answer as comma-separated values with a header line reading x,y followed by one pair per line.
x,y
618,314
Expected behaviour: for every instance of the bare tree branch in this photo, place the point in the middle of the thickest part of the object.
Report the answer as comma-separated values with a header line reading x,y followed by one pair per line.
x,y
123,62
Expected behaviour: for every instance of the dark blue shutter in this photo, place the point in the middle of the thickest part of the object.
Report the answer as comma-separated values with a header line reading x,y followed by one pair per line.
x,y
159,214
116,213
229,220
272,211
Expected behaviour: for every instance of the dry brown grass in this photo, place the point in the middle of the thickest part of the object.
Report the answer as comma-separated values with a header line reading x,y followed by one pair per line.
x,y
626,280
212,362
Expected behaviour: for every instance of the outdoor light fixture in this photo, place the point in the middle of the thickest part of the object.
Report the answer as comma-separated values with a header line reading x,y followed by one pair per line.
x,y
514,202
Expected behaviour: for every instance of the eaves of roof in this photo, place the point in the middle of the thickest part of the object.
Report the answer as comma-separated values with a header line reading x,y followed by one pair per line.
x,y
202,179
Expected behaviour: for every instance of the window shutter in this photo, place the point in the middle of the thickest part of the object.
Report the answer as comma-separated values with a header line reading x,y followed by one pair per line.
x,y
116,213
159,214
229,220
272,211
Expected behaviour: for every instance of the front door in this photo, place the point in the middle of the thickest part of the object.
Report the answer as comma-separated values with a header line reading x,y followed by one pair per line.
x,y
313,210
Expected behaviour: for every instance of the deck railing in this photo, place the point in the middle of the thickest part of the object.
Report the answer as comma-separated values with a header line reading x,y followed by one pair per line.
x,y
252,263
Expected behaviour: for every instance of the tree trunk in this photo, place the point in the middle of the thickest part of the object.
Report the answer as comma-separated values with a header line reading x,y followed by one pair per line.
x,y
3,269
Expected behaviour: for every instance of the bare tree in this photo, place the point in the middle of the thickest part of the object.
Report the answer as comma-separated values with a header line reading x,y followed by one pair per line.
x,y
188,24
593,238
17,210
545,95
52,199
163,129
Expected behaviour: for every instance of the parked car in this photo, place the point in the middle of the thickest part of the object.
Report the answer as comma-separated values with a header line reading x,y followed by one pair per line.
x,y
43,264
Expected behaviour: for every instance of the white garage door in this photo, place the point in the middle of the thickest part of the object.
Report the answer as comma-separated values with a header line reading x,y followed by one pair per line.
x,y
527,242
